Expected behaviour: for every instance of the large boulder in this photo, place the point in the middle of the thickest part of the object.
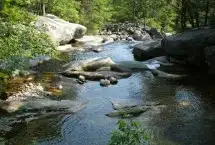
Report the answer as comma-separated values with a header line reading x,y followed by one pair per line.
x,y
148,49
189,46
60,30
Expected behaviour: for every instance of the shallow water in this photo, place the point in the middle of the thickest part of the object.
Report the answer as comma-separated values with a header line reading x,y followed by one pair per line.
x,y
189,118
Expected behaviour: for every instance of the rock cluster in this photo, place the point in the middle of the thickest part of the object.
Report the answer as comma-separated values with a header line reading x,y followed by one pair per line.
x,y
28,91
126,31
96,69
194,49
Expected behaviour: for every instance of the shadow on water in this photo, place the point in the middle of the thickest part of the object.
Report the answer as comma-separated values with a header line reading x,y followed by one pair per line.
x,y
188,119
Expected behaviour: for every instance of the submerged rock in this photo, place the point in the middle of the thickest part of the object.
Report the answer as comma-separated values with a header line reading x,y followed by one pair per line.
x,y
37,105
161,74
126,103
128,112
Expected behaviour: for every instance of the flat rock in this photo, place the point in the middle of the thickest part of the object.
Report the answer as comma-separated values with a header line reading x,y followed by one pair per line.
x,y
97,76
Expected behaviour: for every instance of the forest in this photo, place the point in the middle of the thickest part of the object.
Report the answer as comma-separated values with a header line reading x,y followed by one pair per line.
x,y
164,15
172,14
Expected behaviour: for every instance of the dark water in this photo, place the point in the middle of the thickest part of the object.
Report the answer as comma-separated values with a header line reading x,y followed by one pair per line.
x,y
189,118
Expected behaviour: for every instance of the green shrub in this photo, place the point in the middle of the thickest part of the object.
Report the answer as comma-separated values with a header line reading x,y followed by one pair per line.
x,y
129,133
19,43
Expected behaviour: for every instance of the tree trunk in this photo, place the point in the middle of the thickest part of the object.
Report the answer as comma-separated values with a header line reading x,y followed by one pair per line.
x,y
183,14
44,9
191,19
197,18
206,13
133,10
145,22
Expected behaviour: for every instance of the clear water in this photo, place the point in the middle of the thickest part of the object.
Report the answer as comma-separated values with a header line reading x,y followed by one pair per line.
x,y
189,118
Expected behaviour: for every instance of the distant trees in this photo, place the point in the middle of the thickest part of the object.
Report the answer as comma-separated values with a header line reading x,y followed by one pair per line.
x,y
194,13
171,14
175,14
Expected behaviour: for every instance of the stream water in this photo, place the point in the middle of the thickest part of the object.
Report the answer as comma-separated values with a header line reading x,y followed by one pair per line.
x,y
189,118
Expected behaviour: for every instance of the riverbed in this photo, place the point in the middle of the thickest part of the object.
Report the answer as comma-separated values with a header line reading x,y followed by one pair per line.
x,y
189,118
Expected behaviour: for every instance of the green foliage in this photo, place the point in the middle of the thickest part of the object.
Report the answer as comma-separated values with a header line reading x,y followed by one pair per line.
x,y
19,43
129,133
153,13
15,14
94,14
66,9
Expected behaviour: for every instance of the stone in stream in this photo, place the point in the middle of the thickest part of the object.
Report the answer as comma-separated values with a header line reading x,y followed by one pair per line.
x,y
112,80
98,49
81,78
129,39
88,65
126,103
104,82
60,87
148,49
80,82
161,74
128,112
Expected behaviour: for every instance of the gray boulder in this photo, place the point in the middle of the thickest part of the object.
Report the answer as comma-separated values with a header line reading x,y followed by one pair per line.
x,y
141,35
190,46
148,49
60,30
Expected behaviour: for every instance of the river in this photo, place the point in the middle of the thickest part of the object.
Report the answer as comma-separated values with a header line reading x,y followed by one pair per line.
x,y
189,118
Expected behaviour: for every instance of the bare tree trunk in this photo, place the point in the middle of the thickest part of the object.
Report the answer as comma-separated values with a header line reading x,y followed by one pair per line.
x,y
206,13
183,14
144,21
44,9
197,18
133,10
191,19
